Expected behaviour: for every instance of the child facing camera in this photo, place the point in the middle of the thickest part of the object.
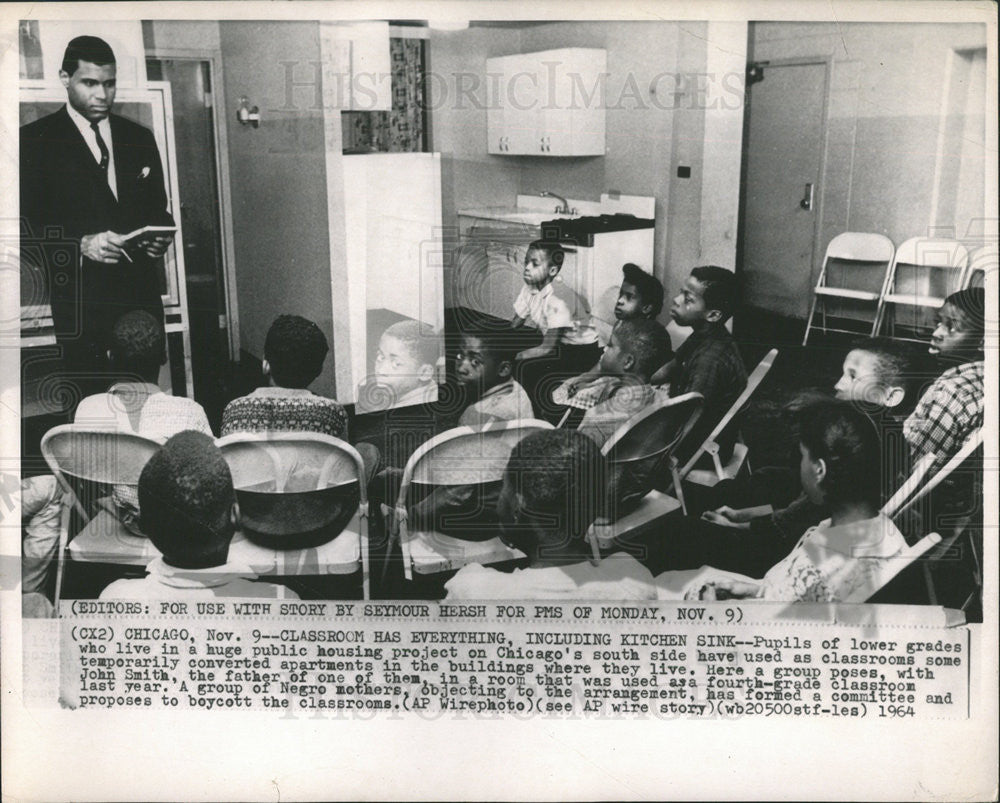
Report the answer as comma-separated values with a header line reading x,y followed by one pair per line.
x,y
404,371
843,557
952,408
639,296
550,495
483,367
569,340
189,513
294,351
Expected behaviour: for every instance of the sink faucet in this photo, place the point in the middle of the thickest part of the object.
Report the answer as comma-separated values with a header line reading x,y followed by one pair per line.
x,y
560,210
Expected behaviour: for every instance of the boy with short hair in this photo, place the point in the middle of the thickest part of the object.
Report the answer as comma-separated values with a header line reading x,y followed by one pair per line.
x,y
620,388
708,362
294,351
405,361
189,512
136,404
569,340
952,408
551,493
484,368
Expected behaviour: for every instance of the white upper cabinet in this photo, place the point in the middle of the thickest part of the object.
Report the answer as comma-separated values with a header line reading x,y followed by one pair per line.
x,y
550,103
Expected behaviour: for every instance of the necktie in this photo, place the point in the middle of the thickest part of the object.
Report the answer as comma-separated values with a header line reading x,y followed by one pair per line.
x,y
102,146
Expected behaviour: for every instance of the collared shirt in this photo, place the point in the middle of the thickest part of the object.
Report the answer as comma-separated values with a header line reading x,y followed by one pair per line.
x,y
507,401
556,306
104,126
164,581
143,409
602,420
947,414
835,564
274,409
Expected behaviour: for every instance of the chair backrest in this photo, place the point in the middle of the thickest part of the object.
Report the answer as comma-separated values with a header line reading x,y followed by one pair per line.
x,y
936,267
466,455
984,259
654,431
888,569
753,381
295,489
841,268
910,484
974,442
99,455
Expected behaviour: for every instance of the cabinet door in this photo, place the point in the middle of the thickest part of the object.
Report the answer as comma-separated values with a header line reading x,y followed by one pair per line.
x,y
556,101
512,114
588,107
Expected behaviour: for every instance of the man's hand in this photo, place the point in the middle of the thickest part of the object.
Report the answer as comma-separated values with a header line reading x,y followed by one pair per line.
x,y
103,247
158,246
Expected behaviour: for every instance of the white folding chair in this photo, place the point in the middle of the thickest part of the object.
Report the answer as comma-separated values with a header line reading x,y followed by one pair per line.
x,y
854,269
924,271
890,567
963,454
460,456
298,490
719,472
895,503
644,441
981,261
96,455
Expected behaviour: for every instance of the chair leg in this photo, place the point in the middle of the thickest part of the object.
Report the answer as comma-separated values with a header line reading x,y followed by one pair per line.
x,y
61,554
678,488
812,312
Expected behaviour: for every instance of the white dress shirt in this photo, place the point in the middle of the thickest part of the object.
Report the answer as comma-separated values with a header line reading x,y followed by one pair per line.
x,y
104,126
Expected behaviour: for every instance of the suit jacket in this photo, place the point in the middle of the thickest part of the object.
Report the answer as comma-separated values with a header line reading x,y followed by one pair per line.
x,y
65,195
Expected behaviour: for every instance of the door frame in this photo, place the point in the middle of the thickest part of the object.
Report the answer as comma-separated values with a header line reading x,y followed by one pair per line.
x,y
797,61
221,135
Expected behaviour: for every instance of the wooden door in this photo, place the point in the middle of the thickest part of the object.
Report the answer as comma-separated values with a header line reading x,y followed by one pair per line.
x,y
782,186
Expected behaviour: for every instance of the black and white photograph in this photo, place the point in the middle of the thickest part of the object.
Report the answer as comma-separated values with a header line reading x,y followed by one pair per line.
x,y
610,390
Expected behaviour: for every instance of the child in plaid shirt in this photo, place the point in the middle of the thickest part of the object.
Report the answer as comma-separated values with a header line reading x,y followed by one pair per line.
x,y
952,408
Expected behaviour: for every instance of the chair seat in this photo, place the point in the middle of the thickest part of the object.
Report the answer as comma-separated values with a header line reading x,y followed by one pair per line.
x,y
841,292
431,552
914,300
106,540
710,477
653,507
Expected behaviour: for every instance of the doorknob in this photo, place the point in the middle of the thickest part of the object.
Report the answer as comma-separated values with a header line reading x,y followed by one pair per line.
x,y
807,200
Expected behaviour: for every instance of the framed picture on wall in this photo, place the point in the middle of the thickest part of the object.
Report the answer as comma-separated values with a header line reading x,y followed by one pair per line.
x,y
151,107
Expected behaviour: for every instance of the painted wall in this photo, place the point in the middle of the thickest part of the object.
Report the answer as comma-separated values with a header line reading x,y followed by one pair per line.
x,y
279,182
656,121
889,104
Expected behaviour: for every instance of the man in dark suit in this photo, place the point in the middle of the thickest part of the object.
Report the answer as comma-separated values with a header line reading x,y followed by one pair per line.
x,y
88,177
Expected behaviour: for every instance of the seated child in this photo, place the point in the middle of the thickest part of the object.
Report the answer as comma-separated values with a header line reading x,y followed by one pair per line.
x,y
640,296
708,362
875,378
952,408
844,556
483,367
294,351
189,511
137,404
550,496
405,368
569,340
619,388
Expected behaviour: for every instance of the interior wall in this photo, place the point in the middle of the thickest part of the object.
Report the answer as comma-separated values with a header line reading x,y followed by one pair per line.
x,y
887,98
279,181
657,92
